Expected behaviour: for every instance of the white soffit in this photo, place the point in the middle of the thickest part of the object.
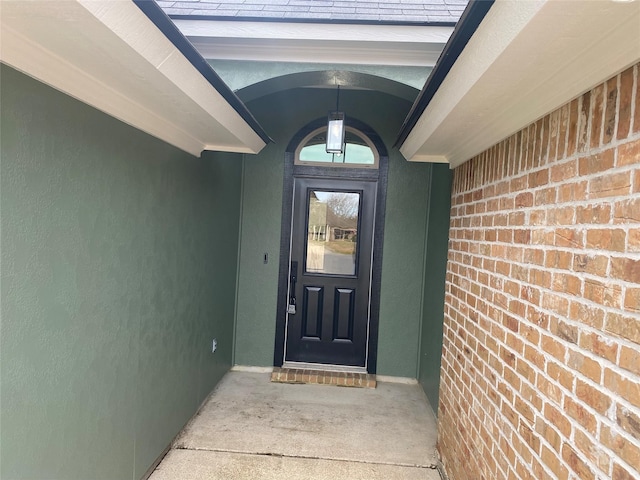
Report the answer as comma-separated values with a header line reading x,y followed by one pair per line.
x,y
109,55
524,60
406,45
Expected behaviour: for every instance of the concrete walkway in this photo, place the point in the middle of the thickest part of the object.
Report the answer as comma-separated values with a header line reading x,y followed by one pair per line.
x,y
251,428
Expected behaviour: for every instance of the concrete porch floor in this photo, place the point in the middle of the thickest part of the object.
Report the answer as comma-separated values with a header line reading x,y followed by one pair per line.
x,y
250,428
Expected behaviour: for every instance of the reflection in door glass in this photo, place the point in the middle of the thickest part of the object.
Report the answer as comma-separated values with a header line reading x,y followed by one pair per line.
x,y
332,236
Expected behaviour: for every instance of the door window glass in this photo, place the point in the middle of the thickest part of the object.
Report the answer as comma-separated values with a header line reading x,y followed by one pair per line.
x,y
332,232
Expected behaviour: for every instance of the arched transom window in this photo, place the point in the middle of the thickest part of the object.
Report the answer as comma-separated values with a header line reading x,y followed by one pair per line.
x,y
359,151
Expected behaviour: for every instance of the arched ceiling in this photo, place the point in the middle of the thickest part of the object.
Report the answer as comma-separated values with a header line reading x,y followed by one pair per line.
x,y
328,79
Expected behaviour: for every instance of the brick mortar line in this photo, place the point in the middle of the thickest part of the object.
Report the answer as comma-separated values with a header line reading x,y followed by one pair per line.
x,y
536,347
628,222
626,226
616,429
534,455
545,229
552,270
468,423
539,413
567,344
580,228
632,169
581,326
537,267
548,249
550,358
544,290
524,172
492,420
571,297
552,227
623,284
478,435
600,418
529,210
512,194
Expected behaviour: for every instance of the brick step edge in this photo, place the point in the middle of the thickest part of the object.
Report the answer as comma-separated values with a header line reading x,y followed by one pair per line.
x,y
320,377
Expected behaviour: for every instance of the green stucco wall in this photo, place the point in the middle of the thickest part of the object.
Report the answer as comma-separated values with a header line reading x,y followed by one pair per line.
x,y
402,267
435,269
283,114
118,267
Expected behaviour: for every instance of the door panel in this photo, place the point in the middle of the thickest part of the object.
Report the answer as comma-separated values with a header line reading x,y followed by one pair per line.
x,y
343,314
330,271
312,312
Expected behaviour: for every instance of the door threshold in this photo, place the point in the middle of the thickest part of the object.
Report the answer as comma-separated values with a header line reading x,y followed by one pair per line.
x,y
323,367
323,377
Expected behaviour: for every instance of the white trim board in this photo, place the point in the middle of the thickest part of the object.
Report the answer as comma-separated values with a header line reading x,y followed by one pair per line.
x,y
109,55
406,45
251,369
525,60
392,379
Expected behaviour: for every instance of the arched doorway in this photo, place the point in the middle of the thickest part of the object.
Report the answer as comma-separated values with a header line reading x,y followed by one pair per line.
x,y
331,251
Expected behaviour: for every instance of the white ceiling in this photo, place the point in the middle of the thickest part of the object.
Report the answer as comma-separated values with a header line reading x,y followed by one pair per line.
x,y
524,60
108,54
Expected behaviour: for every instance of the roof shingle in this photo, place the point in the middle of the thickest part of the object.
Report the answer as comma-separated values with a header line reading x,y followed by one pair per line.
x,y
400,11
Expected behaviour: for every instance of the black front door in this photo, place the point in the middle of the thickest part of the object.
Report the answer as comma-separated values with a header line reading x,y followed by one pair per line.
x,y
329,293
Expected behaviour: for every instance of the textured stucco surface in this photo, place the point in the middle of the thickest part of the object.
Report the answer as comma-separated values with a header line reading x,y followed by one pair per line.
x,y
119,258
403,267
434,278
283,114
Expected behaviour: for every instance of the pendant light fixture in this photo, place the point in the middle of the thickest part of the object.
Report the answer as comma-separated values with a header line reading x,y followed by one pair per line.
x,y
335,129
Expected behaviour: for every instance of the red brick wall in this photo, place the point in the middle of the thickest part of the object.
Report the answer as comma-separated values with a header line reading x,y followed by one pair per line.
x,y
541,358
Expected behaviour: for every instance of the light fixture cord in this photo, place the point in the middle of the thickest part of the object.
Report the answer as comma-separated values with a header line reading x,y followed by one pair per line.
x,y
338,100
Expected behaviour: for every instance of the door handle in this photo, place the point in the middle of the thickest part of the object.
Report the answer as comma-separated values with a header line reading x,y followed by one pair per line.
x,y
293,278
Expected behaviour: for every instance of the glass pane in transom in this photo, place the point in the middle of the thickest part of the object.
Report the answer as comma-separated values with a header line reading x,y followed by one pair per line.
x,y
357,151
